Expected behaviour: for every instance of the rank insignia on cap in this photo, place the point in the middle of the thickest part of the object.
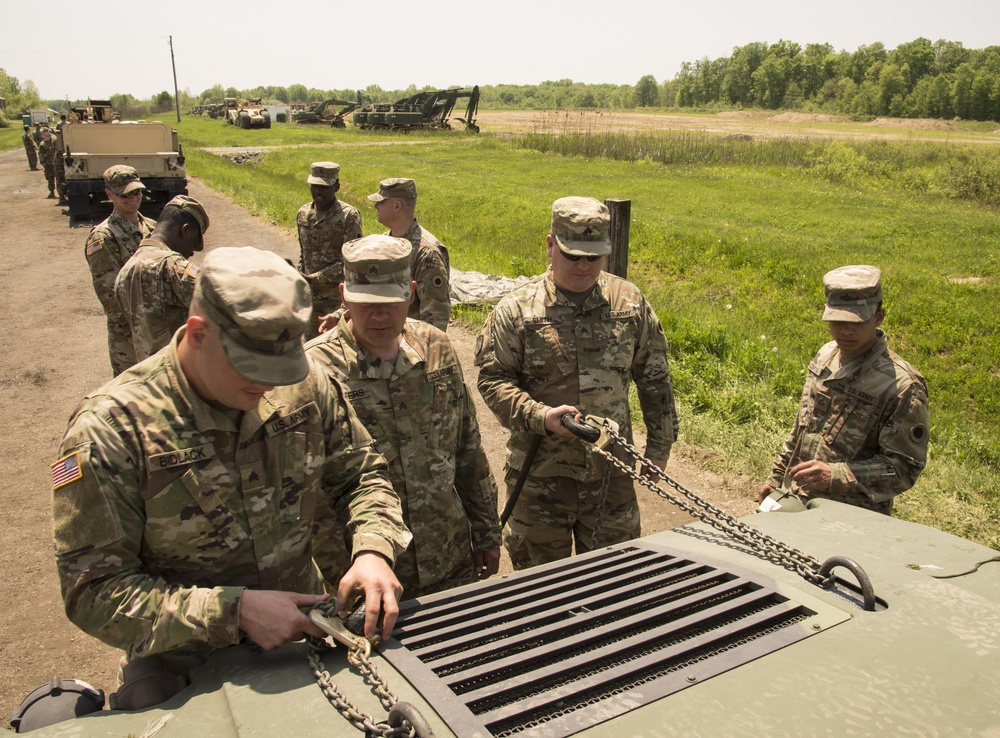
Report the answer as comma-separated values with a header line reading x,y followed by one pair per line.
x,y
66,470
93,247
373,270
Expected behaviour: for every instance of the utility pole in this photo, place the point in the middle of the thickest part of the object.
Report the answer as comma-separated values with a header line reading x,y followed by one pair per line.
x,y
177,100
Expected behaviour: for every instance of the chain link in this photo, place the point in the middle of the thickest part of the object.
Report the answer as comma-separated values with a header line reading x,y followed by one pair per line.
x,y
781,553
357,658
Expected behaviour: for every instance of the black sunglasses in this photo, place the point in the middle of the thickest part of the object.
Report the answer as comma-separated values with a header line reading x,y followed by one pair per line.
x,y
574,257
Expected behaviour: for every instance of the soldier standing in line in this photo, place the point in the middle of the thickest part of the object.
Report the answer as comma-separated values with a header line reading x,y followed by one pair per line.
x,y
395,204
406,384
30,149
185,490
324,226
155,287
110,244
860,434
37,134
571,341
47,151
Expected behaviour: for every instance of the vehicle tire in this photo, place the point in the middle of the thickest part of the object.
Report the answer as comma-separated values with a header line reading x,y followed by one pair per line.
x,y
244,120
267,121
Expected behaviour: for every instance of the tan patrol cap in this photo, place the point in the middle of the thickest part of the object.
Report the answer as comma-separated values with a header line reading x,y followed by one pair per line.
x,y
853,293
580,226
194,208
262,306
324,173
122,179
395,187
377,270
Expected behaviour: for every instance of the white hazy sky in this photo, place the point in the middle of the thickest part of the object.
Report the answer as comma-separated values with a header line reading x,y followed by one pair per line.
x,y
77,49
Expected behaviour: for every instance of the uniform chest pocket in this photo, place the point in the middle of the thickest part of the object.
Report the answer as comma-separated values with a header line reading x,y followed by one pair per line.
x,y
620,347
446,417
300,456
188,519
547,353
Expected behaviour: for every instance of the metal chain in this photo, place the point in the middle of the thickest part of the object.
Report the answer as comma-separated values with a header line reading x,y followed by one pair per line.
x,y
791,558
357,658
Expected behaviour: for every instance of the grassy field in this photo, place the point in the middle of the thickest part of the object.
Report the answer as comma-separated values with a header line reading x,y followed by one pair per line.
x,y
730,251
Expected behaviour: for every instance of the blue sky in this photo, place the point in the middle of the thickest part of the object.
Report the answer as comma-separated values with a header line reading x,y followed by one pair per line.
x,y
117,47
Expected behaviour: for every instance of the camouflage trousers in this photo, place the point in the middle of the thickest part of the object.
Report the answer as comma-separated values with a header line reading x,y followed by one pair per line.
x,y
32,154
324,303
120,348
553,514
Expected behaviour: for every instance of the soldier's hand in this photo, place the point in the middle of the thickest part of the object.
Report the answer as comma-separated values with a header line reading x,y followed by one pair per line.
x,y
553,420
812,476
646,471
370,573
272,618
328,321
487,562
763,492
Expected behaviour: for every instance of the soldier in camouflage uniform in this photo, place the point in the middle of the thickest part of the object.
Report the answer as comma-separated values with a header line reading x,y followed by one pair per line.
x,y
110,244
324,226
395,204
30,149
47,151
571,341
860,435
184,494
405,382
155,287
37,133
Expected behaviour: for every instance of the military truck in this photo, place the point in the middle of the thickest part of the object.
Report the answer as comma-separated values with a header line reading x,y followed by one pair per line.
x,y
723,627
329,112
247,113
428,109
91,146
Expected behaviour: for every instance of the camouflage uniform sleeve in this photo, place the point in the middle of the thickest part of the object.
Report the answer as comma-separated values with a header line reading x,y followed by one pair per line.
x,y
356,479
902,450
352,224
430,272
651,374
103,270
474,482
500,356
178,279
98,522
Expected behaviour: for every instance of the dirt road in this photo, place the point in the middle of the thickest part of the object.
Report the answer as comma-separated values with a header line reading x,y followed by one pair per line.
x,y
54,352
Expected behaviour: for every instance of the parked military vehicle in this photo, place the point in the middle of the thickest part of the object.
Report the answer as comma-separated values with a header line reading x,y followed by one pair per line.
x,y
329,112
723,627
430,109
98,141
247,113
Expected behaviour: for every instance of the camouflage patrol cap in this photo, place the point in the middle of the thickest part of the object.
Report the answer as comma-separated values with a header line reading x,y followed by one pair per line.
x,y
853,293
324,173
377,270
194,208
580,226
122,179
395,187
262,307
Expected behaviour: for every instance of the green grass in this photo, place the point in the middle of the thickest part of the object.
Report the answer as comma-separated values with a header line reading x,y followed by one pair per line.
x,y
731,253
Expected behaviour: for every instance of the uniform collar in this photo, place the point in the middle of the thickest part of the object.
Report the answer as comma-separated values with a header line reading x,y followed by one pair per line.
x,y
596,299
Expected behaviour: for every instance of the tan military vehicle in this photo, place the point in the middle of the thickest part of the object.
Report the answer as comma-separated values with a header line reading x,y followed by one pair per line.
x,y
98,140
247,113
819,620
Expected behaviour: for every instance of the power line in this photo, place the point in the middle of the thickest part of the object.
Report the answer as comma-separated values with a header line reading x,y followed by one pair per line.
x,y
88,47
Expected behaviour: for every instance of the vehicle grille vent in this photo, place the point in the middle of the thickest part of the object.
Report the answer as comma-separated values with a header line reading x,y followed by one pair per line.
x,y
556,649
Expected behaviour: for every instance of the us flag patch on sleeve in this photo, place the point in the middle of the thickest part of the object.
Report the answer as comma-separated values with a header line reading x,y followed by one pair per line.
x,y
191,271
93,247
66,470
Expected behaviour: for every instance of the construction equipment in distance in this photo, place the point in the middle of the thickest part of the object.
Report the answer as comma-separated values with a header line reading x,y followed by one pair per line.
x,y
429,109
247,113
326,112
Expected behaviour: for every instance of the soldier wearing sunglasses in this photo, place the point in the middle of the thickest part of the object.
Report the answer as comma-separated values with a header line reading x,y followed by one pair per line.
x,y
572,341
110,244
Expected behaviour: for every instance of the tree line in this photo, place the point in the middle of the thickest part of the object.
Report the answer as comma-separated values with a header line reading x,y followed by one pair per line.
x,y
918,79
